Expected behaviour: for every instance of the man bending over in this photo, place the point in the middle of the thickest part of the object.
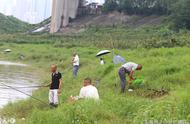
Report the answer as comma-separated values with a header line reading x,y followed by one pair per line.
x,y
128,68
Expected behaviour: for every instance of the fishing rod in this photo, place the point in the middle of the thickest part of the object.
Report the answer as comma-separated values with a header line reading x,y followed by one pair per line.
x,y
3,87
24,93
4,97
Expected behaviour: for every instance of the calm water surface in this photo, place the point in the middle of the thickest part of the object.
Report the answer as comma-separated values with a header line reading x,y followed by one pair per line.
x,y
17,76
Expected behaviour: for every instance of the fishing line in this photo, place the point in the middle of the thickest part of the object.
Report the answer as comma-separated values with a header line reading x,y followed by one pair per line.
x,y
4,97
113,54
3,87
24,93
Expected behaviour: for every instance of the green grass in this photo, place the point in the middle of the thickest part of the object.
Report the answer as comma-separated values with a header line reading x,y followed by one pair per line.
x,y
165,66
120,37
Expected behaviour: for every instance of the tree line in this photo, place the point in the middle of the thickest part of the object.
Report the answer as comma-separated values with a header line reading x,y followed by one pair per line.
x,y
178,10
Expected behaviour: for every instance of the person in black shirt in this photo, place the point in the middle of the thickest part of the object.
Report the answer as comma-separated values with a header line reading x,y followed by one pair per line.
x,y
55,86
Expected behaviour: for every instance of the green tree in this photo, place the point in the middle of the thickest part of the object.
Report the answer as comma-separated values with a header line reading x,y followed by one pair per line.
x,y
181,14
110,5
140,7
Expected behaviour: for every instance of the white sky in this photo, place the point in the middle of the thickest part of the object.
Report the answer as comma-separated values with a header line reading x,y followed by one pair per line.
x,y
32,11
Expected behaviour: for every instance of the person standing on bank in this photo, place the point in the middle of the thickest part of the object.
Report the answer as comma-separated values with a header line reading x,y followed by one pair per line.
x,y
75,62
128,68
55,86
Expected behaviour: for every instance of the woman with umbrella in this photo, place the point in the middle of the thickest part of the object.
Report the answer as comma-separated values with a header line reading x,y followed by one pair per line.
x,y
102,61
101,53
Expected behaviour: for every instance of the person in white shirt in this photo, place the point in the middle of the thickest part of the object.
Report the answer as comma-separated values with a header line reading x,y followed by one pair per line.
x,y
76,63
128,68
88,91
102,61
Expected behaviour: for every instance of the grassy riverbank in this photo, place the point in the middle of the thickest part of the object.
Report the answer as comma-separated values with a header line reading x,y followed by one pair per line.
x,y
163,69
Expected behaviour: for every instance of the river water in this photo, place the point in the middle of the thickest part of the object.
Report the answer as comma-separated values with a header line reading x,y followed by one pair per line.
x,y
18,76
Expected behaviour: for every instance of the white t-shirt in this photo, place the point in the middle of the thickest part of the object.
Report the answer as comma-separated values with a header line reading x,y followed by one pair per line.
x,y
89,92
102,62
130,66
76,60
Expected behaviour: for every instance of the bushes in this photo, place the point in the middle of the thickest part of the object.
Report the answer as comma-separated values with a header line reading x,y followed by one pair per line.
x,y
185,112
178,9
110,5
180,14
140,7
107,37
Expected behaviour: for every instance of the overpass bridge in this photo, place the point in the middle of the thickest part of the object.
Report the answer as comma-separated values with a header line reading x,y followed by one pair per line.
x,y
62,11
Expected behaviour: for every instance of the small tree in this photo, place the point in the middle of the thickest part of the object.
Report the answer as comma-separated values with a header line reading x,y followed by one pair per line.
x,y
181,14
110,5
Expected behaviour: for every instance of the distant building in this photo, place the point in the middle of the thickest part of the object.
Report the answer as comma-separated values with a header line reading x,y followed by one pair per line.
x,y
94,8
90,9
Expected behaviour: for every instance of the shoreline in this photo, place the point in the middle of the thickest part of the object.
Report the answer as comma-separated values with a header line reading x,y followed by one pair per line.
x,y
14,82
108,108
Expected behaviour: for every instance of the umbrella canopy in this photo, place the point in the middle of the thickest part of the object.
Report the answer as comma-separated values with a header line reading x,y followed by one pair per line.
x,y
103,52
118,59
7,50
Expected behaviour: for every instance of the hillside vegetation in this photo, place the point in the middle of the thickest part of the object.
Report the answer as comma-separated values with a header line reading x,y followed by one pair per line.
x,y
153,33
116,18
121,37
10,24
178,10
163,53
